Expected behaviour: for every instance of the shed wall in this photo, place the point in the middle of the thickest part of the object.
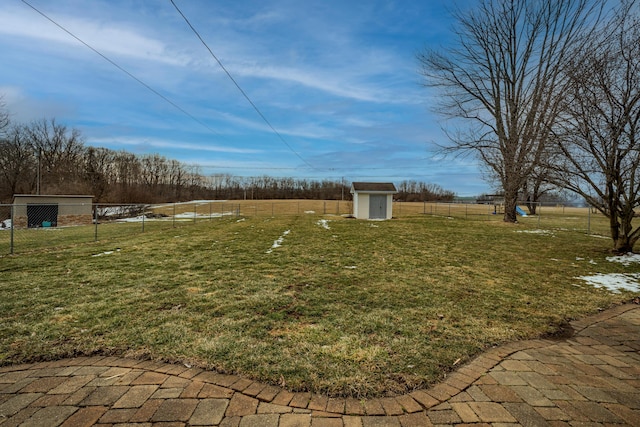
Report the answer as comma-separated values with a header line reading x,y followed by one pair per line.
x,y
362,206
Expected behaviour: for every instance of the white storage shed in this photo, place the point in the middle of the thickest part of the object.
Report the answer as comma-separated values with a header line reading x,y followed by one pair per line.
x,y
373,200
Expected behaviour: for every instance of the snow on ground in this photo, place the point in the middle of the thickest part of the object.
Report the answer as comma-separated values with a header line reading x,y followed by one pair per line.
x,y
615,282
626,259
106,253
278,242
541,232
323,223
191,215
5,225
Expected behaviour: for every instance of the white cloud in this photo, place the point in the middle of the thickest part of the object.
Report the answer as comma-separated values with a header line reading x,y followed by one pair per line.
x,y
107,38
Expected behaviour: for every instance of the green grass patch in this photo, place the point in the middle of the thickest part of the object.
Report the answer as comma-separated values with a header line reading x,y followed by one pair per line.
x,y
359,309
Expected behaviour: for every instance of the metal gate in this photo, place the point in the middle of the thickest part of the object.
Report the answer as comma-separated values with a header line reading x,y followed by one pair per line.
x,y
377,206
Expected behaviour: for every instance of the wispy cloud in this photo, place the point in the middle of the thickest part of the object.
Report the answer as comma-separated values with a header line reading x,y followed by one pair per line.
x,y
147,144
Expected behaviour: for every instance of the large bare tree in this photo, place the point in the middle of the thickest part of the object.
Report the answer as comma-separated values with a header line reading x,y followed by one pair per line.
x,y
500,81
599,136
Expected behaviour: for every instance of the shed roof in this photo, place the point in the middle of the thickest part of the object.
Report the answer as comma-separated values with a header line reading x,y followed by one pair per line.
x,y
386,187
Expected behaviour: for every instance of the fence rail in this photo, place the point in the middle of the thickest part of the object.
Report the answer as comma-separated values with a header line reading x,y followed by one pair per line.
x,y
34,227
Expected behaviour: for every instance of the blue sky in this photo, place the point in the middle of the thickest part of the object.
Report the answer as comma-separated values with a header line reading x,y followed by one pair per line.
x,y
338,80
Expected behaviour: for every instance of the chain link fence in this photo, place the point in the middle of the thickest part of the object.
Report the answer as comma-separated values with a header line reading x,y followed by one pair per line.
x,y
547,216
29,227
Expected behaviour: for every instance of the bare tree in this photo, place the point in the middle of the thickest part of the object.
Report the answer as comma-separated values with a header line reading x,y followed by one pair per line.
x,y
4,116
599,136
501,80
17,163
99,172
60,153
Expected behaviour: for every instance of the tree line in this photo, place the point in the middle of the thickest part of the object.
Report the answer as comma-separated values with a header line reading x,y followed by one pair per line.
x,y
46,157
546,94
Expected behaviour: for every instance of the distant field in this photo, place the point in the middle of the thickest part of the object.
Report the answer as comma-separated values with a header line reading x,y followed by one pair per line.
x,y
314,302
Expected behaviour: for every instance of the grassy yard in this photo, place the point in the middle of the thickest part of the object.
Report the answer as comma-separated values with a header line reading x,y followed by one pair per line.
x,y
343,307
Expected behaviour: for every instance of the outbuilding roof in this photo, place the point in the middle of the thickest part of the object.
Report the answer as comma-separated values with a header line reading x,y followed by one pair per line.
x,y
386,187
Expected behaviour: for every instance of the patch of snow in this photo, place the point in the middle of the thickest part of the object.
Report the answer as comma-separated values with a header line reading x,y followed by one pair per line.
x,y
5,225
614,282
138,218
323,223
350,267
626,259
278,242
192,215
541,232
309,212
106,253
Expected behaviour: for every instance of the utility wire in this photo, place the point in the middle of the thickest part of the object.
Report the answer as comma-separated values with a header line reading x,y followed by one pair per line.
x,y
121,68
238,86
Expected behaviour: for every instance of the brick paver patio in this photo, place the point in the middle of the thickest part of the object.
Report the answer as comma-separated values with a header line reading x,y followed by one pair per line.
x,y
590,379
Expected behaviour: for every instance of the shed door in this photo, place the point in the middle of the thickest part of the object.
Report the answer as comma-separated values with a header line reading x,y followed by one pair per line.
x,y
377,206
39,215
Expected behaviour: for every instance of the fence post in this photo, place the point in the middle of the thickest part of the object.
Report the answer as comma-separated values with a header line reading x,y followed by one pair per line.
x,y
539,213
13,221
209,211
95,220
195,212
174,215
143,219
589,222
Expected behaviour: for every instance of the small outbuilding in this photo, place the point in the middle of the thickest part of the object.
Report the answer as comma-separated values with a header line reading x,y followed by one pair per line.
x,y
31,210
373,200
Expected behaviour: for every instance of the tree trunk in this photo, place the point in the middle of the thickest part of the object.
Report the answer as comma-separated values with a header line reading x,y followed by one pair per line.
x,y
622,232
531,205
510,203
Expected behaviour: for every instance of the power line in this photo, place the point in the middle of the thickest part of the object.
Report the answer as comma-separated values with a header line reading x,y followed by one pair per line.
x,y
121,68
238,86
